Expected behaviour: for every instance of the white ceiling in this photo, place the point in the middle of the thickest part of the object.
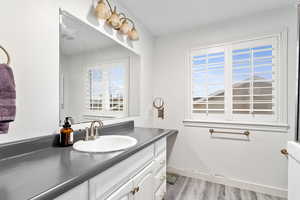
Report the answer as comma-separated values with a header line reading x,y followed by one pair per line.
x,y
77,37
167,16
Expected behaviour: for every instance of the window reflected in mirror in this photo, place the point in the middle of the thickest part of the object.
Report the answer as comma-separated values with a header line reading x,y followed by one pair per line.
x,y
107,92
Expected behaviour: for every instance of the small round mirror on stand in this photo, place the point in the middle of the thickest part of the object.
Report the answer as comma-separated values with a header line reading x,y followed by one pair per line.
x,y
159,103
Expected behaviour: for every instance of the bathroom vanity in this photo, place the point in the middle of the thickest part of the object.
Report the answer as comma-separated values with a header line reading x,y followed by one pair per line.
x,y
50,172
142,176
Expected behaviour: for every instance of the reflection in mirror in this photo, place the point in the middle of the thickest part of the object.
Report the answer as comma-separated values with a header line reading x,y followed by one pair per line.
x,y
99,78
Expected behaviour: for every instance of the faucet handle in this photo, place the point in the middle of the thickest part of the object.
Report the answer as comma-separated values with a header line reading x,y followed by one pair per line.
x,y
87,130
96,131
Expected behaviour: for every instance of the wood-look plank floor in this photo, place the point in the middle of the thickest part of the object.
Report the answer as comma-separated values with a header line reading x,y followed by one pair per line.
x,y
196,189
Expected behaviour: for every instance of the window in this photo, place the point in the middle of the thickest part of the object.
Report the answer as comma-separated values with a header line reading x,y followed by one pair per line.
x,y
108,89
236,80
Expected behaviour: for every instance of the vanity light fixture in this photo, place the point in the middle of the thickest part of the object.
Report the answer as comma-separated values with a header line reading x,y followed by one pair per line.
x,y
116,20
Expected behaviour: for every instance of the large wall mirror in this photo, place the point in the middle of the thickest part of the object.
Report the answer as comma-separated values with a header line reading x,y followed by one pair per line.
x,y
99,78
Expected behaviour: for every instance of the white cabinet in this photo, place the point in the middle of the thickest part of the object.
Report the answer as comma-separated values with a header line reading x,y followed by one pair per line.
x,y
138,188
160,146
123,193
80,192
142,176
160,193
102,185
144,184
160,169
294,171
149,183
160,178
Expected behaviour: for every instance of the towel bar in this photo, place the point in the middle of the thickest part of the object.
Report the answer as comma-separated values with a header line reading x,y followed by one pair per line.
x,y
6,53
246,133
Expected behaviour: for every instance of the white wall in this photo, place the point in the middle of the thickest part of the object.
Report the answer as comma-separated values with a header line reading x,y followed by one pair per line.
x,y
256,164
30,32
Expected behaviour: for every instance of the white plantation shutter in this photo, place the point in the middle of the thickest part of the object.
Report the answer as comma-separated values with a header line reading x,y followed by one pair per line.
x,y
208,80
95,93
237,80
117,88
107,89
253,77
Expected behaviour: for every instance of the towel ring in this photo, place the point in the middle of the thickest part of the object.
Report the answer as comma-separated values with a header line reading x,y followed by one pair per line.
x,y
6,53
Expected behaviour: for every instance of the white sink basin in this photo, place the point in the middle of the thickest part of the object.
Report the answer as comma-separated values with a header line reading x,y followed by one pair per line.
x,y
106,143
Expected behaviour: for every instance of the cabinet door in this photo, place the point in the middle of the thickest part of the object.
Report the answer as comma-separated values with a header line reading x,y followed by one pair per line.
x,y
113,178
293,171
123,193
160,193
144,184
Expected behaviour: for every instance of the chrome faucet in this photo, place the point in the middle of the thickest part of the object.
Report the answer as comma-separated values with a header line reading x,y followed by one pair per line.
x,y
92,132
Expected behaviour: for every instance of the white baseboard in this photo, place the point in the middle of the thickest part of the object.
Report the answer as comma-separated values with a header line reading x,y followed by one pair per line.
x,y
274,191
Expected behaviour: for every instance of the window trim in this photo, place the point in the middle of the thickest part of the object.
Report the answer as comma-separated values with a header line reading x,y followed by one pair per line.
x,y
281,82
110,114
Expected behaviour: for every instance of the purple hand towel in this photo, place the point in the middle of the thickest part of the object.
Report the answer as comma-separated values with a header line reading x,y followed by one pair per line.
x,y
7,97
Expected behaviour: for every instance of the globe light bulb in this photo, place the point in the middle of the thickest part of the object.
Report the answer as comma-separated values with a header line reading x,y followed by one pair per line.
x,y
125,28
133,34
102,11
114,19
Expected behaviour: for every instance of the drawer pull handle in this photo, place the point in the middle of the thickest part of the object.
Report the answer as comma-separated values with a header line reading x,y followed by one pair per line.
x,y
163,178
135,190
162,196
132,191
162,162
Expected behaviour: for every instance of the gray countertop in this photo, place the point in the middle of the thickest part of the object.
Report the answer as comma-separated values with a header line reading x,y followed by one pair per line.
x,y
48,172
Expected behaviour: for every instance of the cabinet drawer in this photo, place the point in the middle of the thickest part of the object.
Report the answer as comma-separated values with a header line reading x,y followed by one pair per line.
x,y
160,178
160,146
144,181
160,193
80,192
160,161
105,183
124,192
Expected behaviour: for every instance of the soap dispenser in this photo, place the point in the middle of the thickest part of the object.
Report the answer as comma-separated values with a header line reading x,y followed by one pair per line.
x,y
66,134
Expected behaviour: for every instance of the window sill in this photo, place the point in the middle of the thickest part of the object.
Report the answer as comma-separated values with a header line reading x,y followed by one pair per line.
x,y
255,126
